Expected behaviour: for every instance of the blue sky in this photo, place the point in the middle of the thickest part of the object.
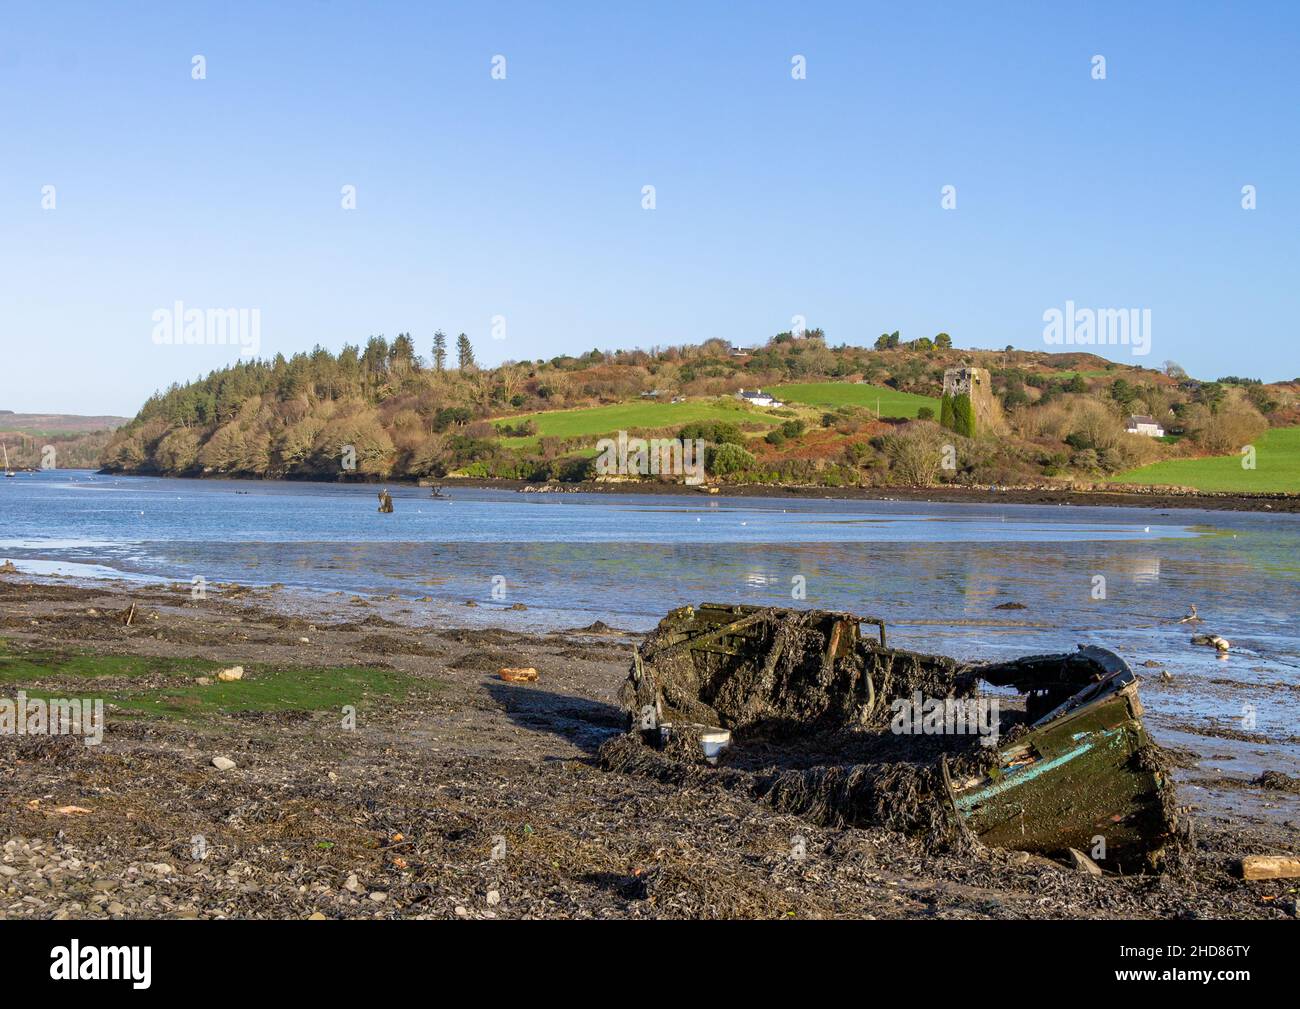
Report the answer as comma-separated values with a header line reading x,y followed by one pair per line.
x,y
522,197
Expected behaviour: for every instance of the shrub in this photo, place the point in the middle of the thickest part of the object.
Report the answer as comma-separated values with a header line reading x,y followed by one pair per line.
x,y
915,453
716,432
727,459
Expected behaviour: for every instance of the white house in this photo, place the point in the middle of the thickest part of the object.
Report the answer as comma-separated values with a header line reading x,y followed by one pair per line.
x,y
1137,424
757,397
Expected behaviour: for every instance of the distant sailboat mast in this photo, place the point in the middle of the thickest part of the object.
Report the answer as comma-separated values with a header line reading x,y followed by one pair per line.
x,y
8,471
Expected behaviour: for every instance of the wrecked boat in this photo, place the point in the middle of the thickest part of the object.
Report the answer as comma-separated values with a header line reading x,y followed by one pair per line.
x,y
813,712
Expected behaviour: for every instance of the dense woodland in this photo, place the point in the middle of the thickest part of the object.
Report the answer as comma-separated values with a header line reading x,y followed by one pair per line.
x,y
409,415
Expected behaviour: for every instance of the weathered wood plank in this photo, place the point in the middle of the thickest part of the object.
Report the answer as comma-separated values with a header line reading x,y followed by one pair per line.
x,y
1270,867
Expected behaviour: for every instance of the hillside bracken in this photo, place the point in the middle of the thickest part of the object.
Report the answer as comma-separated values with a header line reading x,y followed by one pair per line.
x,y
382,413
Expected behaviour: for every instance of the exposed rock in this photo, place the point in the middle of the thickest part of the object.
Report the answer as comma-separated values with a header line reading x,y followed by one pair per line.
x,y
1078,860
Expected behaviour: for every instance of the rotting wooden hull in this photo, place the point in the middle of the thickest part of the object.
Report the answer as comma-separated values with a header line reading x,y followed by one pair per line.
x,y
1087,778
1079,772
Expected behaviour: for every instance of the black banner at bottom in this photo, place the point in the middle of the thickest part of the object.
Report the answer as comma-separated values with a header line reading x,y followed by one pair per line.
x,y
148,958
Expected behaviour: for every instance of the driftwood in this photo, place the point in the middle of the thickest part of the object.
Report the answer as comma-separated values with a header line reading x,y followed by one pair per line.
x,y
1270,867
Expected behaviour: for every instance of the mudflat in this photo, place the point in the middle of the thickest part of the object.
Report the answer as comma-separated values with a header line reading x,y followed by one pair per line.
x,y
389,771
1123,496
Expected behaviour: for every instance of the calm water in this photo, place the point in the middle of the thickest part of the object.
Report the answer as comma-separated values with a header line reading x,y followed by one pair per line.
x,y
935,572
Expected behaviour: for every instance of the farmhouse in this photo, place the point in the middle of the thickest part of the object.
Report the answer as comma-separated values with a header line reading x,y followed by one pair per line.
x,y
1138,424
757,397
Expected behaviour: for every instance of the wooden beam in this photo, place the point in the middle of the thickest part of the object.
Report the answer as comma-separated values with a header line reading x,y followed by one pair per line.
x,y
1270,867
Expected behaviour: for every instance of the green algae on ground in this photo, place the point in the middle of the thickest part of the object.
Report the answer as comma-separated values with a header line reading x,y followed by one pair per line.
x,y
167,687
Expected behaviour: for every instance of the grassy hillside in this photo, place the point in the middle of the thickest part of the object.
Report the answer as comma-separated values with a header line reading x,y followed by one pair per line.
x,y
384,412
1277,468
596,421
891,402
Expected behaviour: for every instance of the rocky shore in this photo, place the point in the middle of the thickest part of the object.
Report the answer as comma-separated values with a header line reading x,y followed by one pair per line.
x,y
359,769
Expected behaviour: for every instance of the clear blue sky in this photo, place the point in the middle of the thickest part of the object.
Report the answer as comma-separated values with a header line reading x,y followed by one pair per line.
x,y
522,197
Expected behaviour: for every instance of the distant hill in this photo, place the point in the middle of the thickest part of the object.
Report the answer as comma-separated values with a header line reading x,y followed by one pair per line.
x,y
78,441
849,416
64,423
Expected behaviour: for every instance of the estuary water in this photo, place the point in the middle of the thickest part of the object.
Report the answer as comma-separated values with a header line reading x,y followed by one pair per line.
x,y
936,572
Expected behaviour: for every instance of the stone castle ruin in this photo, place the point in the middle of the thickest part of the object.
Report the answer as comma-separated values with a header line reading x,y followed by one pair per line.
x,y
969,406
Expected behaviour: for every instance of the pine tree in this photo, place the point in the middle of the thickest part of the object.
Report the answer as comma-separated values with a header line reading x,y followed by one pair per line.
x,y
440,351
465,352
401,355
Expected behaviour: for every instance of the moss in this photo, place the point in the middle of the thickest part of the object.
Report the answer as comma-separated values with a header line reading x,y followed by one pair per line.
x,y
166,686
957,413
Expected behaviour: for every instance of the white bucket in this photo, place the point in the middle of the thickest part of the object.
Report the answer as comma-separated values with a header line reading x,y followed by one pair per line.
x,y
713,742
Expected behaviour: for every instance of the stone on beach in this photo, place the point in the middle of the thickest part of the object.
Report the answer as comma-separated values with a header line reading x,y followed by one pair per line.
x,y
1078,860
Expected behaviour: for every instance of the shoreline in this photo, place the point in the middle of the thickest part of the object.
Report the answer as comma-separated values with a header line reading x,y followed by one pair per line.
x,y
1156,498
940,495
400,815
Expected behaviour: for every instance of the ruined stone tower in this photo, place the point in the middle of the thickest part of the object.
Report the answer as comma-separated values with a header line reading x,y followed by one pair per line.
x,y
969,406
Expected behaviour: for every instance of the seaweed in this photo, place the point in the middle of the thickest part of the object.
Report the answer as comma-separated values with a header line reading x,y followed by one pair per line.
x,y
811,705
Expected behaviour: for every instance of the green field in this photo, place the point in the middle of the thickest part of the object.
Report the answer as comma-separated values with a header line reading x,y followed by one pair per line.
x,y
892,403
1277,468
641,415
165,686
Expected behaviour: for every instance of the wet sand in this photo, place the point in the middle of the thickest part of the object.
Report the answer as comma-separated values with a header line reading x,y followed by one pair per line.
x,y
472,797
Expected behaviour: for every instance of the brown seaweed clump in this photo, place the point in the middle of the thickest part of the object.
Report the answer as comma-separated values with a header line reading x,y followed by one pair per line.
x,y
779,672
809,705
822,723
900,796
1278,782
